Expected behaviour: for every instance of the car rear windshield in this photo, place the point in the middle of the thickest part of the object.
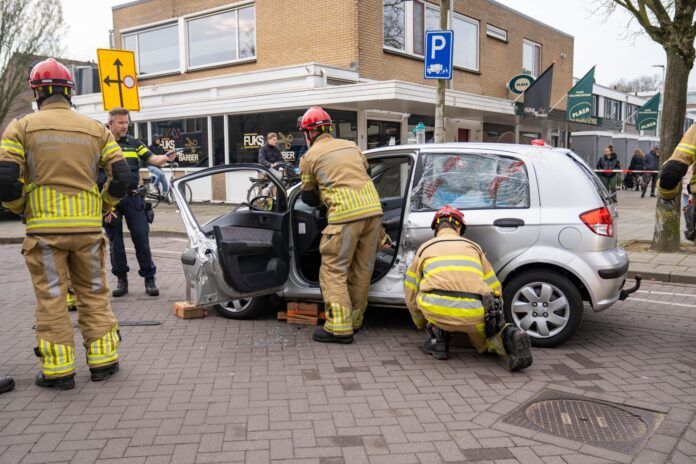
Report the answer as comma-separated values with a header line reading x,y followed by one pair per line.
x,y
603,193
471,181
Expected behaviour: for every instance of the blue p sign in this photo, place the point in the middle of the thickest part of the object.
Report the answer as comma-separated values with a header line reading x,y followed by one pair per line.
x,y
438,54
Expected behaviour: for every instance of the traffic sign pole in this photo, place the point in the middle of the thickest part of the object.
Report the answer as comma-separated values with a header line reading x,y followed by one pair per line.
x,y
441,83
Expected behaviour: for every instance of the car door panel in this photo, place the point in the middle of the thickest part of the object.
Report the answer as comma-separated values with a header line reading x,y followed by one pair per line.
x,y
240,253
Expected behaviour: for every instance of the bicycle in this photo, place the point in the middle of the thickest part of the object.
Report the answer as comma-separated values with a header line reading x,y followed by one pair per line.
x,y
153,193
260,193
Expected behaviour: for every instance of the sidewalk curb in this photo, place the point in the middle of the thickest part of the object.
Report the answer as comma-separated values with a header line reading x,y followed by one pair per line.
x,y
662,277
155,233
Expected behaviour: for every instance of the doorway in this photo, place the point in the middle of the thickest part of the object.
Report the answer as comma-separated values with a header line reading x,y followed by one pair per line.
x,y
462,135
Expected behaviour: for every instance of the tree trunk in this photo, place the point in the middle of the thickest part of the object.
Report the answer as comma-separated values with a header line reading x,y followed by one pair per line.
x,y
439,134
666,237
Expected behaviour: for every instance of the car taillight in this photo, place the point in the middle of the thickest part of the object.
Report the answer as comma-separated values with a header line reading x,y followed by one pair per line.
x,y
599,221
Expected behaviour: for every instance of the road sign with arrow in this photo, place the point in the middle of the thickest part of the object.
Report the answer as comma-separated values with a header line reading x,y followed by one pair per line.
x,y
119,85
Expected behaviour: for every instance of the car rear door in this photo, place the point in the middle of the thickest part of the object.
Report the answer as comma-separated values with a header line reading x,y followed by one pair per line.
x,y
235,250
495,189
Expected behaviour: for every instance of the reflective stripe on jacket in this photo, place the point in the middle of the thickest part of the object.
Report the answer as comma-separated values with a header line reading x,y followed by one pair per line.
x,y
337,169
443,267
60,152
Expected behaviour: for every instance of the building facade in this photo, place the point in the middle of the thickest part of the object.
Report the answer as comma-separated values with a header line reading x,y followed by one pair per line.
x,y
216,75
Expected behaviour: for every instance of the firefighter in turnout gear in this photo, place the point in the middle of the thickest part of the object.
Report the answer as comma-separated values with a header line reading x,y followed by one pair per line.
x,y
335,175
451,287
49,161
669,185
132,208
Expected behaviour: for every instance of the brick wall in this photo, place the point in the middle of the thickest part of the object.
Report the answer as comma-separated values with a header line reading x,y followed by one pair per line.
x,y
349,34
288,32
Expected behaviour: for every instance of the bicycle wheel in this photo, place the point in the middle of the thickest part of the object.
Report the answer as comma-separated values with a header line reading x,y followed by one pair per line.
x,y
255,191
152,194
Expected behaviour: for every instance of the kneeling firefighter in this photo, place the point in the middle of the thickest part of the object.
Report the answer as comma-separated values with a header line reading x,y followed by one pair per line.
x,y
451,287
49,162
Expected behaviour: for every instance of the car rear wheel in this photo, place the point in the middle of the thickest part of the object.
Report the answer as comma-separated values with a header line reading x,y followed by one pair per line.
x,y
546,305
246,308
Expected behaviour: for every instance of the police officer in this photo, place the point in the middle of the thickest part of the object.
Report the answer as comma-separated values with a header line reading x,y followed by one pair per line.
x,y
49,162
450,286
132,209
334,172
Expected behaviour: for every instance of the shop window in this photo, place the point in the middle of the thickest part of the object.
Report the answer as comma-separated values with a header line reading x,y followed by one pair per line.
x,y
383,133
221,37
189,136
531,58
471,181
156,50
142,132
247,133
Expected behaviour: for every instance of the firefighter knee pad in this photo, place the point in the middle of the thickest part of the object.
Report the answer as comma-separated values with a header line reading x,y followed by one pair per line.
x,y
671,174
10,186
121,178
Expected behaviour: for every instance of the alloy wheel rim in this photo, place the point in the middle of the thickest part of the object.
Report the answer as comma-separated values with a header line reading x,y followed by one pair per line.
x,y
237,306
541,309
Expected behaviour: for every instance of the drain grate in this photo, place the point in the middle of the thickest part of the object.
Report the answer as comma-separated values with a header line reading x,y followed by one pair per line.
x,y
605,425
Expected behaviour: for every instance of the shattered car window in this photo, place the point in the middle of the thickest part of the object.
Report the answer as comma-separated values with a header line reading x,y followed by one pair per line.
x,y
471,181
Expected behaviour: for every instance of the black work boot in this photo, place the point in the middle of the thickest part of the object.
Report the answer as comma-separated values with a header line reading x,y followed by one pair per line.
x,y
150,287
323,336
61,383
518,346
121,287
104,372
7,383
437,343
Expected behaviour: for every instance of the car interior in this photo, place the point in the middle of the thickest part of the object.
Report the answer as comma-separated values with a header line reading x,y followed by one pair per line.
x,y
253,243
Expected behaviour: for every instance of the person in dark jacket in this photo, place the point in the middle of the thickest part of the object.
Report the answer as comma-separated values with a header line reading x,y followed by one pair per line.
x,y
609,162
269,154
637,164
652,163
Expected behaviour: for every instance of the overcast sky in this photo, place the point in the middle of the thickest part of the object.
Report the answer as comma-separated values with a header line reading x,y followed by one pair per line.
x,y
599,39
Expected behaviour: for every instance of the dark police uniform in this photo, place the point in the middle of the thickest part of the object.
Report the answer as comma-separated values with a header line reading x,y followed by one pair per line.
x,y
132,209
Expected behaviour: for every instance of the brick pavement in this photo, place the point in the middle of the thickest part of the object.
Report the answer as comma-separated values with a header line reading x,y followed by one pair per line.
x,y
218,390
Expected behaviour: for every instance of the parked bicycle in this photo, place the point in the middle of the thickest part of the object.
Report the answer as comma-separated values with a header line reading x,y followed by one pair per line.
x,y
154,194
260,194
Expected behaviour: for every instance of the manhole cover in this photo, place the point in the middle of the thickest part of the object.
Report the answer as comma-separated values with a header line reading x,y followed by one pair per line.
x,y
602,424
586,420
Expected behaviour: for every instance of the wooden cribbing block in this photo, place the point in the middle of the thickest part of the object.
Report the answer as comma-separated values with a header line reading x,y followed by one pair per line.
x,y
186,310
303,309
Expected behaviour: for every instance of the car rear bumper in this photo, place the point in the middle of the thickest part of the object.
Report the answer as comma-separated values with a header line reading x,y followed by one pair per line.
x,y
609,269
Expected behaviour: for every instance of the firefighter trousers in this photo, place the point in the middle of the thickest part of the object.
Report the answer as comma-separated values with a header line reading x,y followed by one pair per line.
x,y
50,259
347,261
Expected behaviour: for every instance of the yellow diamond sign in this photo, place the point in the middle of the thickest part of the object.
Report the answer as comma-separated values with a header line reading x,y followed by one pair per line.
x,y
119,83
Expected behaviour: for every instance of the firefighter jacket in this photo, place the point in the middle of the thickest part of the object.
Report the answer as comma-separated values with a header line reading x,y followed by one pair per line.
x,y
446,280
337,169
59,152
685,153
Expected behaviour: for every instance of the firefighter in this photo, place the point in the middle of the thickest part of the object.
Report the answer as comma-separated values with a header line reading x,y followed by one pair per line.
x,y
49,162
133,209
334,174
669,184
451,287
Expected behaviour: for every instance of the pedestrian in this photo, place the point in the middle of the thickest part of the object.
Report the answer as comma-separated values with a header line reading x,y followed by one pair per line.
x,y
269,154
609,162
637,164
652,163
158,176
48,169
132,209
334,172
450,287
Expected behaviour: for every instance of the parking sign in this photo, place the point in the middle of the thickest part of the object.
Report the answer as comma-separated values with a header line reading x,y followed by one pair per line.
x,y
438,54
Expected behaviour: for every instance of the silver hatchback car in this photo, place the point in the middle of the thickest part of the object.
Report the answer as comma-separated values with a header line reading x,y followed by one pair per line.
x,y
543,218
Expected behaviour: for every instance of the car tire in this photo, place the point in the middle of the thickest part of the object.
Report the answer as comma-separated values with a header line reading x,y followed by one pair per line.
x,y
245,308
550,325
